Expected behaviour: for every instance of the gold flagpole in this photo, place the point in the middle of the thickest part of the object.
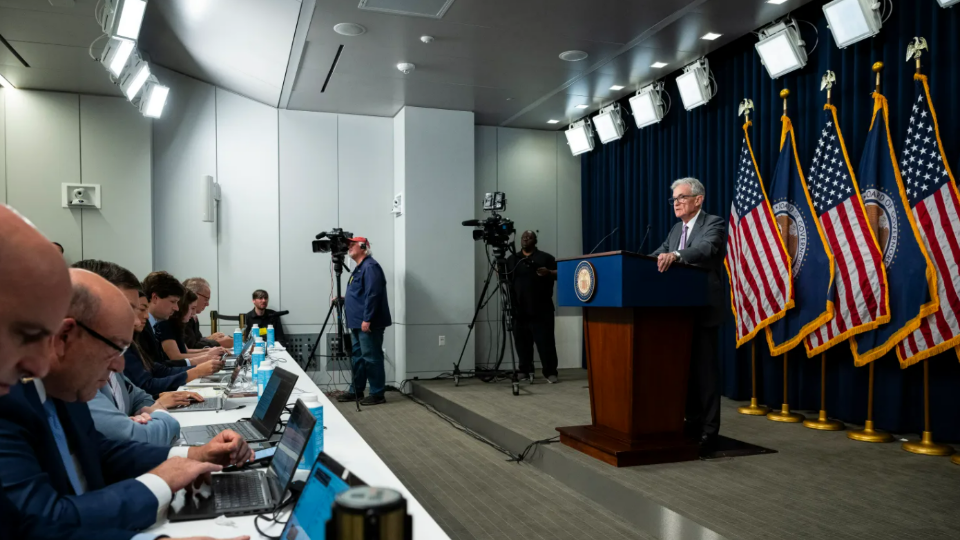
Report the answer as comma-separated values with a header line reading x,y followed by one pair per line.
x,y
823,423
868,434
925,445
754,409
785,415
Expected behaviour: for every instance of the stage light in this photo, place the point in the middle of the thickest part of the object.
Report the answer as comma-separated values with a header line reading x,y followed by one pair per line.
x,y
580,137
852,20
947,3
133,77
647,106
695,85
122,18
609,124
6,84
116,54
153,99
781,49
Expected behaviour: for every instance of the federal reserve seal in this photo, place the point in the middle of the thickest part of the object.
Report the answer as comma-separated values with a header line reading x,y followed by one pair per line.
x,y
882,217
585,281
793,231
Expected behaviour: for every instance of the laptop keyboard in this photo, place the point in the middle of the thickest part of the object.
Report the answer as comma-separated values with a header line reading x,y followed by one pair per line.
x,y
243,428
209,404
234,491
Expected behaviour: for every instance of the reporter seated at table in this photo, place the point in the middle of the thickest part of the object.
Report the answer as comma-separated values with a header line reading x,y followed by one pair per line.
x,y
163,298
170,334
192,335
124,412
261,316
53,462
157,378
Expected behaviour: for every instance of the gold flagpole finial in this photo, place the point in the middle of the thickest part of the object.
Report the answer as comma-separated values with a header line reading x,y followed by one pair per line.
x,y
785,94
914,50
745,107
877,68
827,81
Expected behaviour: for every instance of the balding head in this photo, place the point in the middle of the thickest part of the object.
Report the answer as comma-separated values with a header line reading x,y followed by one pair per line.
x,y
89,344
35,293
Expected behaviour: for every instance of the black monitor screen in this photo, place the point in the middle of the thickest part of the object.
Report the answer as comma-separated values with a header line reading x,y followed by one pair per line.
x,y
294,440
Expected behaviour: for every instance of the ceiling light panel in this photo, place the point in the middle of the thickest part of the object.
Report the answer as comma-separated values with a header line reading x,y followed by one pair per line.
x,y
553,121
616,87
658,65
710,36
781,49
852,20
581,106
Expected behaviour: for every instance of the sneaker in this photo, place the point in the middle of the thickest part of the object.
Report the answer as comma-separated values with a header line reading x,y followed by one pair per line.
x,y
348,397
552,379
531,378
373,400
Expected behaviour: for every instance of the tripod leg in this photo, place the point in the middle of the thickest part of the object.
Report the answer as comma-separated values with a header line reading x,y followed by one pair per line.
x,y
316,344
473,322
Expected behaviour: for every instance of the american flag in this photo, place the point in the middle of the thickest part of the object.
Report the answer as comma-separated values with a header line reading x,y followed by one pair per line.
x,y
861,301
933,199
756,260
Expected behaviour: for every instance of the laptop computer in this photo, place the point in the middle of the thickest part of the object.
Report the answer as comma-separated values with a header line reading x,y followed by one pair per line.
x,y
327,480
254,491
265,416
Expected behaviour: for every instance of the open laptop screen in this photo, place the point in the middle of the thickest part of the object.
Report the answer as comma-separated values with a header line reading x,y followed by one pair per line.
x,y
273,400
327,480
294,440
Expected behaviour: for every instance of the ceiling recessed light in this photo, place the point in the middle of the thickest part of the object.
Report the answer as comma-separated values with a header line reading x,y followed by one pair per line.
x,y
658,65
581,106
776,2
349,29
710,36
553,121
616,87
573,56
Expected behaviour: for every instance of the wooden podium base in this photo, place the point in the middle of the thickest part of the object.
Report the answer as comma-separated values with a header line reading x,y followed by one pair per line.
x,y
610,447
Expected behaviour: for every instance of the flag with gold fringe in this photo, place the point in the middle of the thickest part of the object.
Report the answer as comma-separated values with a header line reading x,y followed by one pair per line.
x,y
935,204
861,302
760,285
811,262
911,276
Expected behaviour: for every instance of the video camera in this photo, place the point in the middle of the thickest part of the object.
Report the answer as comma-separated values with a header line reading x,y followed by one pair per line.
x,y
496,229
336,242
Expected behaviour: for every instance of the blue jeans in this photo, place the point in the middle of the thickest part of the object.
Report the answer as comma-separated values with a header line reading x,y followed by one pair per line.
x,y
368,361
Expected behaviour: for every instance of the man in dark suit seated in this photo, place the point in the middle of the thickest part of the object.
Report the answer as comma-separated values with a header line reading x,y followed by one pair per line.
x,y
35,296
194,338
699,239
54,463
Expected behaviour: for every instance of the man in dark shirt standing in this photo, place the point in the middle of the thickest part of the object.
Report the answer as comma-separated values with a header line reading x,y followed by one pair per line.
x,y
368,315
261,316
532,274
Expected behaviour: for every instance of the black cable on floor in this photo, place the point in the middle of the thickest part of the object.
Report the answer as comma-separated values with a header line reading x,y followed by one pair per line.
x,y
532,446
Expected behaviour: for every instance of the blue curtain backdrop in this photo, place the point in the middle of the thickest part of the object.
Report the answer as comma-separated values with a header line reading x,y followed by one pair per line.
x,y
626,184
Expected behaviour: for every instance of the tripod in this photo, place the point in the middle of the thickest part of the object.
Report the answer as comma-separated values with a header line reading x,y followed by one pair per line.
x,y
499,265
339,351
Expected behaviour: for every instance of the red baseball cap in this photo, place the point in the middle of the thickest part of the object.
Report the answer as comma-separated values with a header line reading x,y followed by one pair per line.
x,y
360,239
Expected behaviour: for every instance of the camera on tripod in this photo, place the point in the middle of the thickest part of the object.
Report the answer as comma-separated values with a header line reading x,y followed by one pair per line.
x,y
495,230
335,242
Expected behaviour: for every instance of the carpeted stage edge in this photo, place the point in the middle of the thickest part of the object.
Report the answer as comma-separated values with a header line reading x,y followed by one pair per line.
x,y
815,485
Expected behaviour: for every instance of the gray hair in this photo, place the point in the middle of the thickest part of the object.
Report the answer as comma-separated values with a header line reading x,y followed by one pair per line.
x,y
84,305
696,188
196,284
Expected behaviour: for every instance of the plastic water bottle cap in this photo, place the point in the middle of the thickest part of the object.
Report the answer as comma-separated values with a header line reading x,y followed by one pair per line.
x,y
309,398
238,331
270,327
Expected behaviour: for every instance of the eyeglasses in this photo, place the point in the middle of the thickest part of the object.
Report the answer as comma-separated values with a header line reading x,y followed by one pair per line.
x,y
205,297
674,200
95,334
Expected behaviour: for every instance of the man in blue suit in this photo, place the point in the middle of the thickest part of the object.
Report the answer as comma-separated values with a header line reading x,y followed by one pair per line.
x,y
35,297
54,463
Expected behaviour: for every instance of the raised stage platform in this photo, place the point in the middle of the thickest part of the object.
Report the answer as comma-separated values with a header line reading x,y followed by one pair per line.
x,y
815,484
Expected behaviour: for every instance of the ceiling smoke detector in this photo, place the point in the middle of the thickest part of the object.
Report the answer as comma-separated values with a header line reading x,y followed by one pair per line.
x,y
349,29
426,39
573,56
406,67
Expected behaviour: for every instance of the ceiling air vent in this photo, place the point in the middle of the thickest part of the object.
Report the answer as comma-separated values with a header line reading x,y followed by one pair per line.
x,y
435,9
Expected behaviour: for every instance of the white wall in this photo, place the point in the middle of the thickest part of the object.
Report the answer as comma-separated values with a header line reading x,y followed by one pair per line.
x,y
542,183
52,138
3,148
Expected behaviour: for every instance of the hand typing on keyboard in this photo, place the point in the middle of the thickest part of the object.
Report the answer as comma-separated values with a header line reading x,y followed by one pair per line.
x,y
227,448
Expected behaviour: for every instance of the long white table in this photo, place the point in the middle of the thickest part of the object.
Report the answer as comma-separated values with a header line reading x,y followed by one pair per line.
x,y
340,440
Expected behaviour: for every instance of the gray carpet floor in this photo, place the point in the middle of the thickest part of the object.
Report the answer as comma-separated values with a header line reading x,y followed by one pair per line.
x,y
471,489
818,485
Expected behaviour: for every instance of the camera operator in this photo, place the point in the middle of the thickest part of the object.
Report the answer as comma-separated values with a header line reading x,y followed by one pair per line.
x,y
531,277
368,315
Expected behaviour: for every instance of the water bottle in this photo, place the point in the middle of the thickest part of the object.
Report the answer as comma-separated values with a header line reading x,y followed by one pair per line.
x,y
254,331
315,444
270,336
237,342
256,358
263,376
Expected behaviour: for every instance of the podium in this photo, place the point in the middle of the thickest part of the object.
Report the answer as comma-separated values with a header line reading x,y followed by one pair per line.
x,y
638,327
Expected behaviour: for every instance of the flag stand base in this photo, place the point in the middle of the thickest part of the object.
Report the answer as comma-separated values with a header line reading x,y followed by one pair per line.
x,y
925,446
824,424
753,409
956,459
785,415
868,434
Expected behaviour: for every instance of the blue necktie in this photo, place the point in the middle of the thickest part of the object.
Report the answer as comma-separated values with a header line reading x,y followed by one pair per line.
x,y
60,437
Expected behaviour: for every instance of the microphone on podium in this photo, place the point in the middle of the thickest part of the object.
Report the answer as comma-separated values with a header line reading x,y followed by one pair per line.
x,y
645,235
602,239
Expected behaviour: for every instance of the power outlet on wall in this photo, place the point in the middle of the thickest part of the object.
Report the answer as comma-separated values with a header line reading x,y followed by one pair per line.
x,y
443,340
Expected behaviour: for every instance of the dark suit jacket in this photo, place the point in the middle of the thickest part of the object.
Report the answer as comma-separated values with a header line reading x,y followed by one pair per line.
x,y
162,378
705,247
150,342
194,338
35,480
16,526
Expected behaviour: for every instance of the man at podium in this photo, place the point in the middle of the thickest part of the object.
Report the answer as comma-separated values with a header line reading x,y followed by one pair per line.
x,y
698,239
